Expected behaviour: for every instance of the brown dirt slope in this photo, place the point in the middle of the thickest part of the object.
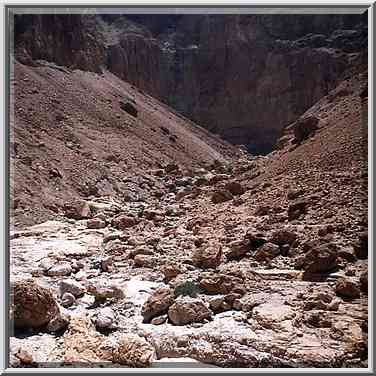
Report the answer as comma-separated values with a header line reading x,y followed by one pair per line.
x,y
69,138
327,172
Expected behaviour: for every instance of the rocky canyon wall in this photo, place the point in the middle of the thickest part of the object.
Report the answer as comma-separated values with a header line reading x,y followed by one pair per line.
x,y
243,77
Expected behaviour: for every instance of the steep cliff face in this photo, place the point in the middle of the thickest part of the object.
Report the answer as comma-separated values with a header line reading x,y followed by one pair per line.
x,y
66,39
243,77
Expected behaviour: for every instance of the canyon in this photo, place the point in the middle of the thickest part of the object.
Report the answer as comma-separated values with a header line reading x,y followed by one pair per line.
x,y
232,74
189,191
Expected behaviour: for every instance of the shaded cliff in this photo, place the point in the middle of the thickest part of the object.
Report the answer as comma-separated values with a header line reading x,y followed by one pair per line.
x,y
243,77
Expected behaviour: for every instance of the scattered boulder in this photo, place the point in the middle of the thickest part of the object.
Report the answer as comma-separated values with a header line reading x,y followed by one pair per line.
x,y
171,270
31,305
58,323
256,239
297,208
145,261
103,291
322,259
207,256
293,194
123,222
214,283
105,318
60,270
284,236
157,304
238,248
67,300
133,351
71,286
267,251
77,210
364,281
235,188
129,108
159,320
221,195
347,289
361,246
304,128
95,223
187,310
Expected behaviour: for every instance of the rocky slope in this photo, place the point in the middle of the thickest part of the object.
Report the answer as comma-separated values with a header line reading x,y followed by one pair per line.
x,y
139,239
71,137
232,74
260,262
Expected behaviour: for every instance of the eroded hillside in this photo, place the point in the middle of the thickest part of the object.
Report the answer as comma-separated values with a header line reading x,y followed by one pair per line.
x,y
140,239
70,138
245,77
249,262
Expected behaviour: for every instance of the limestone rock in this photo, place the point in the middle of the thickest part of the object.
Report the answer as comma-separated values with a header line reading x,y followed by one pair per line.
x,y
59,270
71,286
105,318
157,304
207,256
32,306
133,351
187,310
67,300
